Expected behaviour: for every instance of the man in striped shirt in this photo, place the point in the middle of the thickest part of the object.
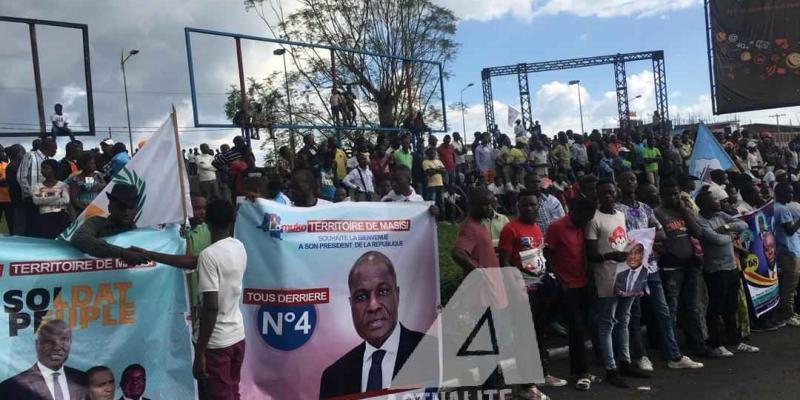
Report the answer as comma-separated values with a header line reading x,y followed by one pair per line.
x,y
29,174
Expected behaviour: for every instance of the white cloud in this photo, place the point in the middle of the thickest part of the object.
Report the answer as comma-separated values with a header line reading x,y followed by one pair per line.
x,y
486,10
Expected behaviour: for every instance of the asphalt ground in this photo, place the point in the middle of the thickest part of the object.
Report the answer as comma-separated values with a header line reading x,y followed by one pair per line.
x,y
773,373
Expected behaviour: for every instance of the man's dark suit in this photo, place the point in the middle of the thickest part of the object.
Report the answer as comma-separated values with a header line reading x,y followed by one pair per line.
x,y
621,283
344,376
30,385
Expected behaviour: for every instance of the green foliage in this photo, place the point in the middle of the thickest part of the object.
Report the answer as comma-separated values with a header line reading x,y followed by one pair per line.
x,y
411,29
450,274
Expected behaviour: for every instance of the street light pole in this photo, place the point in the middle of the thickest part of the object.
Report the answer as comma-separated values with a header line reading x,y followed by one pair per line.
x,y
463,122
127,107
282,52
778,120
580,103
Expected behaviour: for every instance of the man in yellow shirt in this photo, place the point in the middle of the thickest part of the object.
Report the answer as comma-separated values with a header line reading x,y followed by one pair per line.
x,y
340,157
434,170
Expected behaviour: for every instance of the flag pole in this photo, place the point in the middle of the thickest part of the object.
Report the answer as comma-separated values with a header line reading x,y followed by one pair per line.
x,y
179,158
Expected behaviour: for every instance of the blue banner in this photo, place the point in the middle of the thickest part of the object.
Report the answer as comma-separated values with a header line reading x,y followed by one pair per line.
x,y
707,154
67,312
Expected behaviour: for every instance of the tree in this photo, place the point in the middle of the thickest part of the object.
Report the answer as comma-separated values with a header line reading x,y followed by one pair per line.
x,y
407,29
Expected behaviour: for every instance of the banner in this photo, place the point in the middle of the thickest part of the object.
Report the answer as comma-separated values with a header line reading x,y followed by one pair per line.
x,y
93,312
759,266
631,276
707,154
319,287
158,173
756,53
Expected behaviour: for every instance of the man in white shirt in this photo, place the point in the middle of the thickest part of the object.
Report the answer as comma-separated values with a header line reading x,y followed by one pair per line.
x,y
360,180
519,130
207,173
402,191
219,343
60,124
48,378
374,301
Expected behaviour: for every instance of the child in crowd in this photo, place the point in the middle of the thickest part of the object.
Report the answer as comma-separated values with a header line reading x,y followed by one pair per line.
x,y
52,197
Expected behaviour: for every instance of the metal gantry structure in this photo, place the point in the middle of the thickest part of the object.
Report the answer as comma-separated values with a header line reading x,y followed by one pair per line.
x,y
620,77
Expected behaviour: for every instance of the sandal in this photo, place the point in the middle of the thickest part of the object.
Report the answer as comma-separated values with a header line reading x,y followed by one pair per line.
x,y
583,384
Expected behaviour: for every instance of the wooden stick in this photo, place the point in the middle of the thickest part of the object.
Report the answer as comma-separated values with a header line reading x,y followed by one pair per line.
x,y
179,158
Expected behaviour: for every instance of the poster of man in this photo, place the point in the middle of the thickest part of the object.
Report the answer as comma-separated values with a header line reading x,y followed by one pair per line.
x,y
48,378
101,383
631,275
374,302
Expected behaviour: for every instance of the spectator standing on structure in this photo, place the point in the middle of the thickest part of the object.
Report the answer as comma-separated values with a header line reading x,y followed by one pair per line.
x,y
60,124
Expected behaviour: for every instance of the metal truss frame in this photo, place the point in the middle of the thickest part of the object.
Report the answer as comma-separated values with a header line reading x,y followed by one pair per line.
x,y
620,77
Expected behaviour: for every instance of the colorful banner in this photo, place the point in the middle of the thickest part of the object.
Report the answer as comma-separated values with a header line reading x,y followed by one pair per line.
x,y
159,177
68,312
631,275
759,266
319,286
756,53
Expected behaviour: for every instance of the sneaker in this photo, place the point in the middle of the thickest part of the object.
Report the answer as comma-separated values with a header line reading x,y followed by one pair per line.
x,y
552,381
720,352
746,348
779,324
644,364
793,321
684,363
615,379
629,369
769,326
533,393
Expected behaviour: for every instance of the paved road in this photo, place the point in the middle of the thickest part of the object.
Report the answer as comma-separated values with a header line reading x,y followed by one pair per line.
x,y
772,374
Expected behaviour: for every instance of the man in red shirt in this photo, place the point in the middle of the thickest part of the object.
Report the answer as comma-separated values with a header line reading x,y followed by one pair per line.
x,y
473,247
521,245
447,154
565,256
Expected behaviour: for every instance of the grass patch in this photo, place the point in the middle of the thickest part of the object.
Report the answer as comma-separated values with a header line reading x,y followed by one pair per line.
x,y
450,274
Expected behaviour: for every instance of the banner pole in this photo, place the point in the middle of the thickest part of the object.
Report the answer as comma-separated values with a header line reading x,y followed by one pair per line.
x,y
179,158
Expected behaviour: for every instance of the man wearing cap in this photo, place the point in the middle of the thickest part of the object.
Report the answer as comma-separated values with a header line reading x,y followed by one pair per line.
x,y
122,203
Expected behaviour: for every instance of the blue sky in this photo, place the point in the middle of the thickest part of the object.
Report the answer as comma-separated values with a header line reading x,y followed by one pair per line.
x,y
491,33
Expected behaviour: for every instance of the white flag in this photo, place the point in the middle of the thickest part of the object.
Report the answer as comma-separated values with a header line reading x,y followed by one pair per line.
x,y
513,114
156,171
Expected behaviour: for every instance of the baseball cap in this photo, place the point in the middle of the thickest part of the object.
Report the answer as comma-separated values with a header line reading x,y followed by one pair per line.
x,y
107,141
718,193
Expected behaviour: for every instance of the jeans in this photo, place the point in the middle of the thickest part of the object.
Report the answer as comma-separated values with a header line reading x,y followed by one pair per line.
x,y
680,289
656,304
787,283
723,300
575,308
434,193
539,309
613,316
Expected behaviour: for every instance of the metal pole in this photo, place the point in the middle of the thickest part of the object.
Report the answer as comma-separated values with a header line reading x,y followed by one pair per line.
x,y
37,78
245,120
127,107
580,107
463,121
289,107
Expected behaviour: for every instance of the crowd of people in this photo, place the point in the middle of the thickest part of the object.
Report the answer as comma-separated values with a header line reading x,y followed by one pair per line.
x,y
573,195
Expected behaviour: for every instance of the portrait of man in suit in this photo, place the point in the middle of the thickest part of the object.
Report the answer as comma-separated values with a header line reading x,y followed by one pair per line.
x,y
101,383
374,301
49,378
632,281
133,382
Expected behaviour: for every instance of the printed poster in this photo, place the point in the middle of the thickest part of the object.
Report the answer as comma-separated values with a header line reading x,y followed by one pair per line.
x,y
94,320
326,285
631,276
759,265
